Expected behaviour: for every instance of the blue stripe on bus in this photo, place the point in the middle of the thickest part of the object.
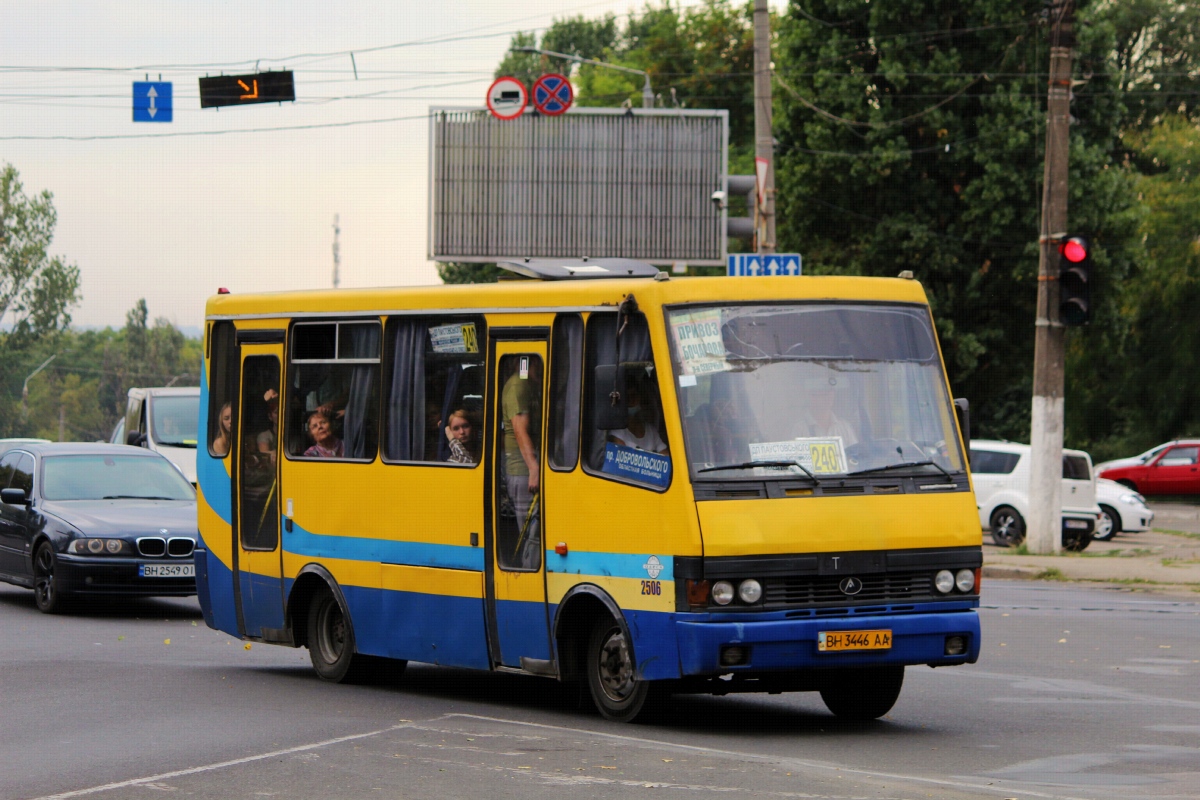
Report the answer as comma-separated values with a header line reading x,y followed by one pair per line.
x,y
613,565
356,548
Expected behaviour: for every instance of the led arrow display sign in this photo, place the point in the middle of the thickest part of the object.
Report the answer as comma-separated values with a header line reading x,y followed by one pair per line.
x,y
242,90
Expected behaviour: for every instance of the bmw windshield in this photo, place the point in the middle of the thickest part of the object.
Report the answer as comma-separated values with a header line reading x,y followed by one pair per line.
x,y
812,390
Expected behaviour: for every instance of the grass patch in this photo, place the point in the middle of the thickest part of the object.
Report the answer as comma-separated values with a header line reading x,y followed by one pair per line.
x,y
1179,562
1050,574
1119,553
1184,534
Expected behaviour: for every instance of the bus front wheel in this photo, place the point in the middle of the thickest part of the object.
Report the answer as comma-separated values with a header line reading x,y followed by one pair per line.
x,y
616,690
863,694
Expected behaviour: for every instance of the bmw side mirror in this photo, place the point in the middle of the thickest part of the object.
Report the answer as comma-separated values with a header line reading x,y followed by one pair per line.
x,y
13,497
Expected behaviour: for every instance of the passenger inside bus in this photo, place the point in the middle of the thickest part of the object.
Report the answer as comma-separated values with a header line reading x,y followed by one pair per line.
x,y
521,412
817,416
725,427
460,433
325,443
220,445
267,441
640,432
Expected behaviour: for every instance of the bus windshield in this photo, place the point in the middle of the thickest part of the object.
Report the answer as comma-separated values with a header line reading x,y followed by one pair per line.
x,y
810,390
174,419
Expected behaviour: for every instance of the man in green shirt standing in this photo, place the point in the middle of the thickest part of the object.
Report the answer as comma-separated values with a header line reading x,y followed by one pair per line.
x,y
521,407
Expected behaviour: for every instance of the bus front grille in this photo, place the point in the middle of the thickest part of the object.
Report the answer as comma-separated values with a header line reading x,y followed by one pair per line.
x,y
816,590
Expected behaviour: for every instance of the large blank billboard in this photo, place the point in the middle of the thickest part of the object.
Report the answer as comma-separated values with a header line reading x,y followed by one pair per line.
x,y
603,183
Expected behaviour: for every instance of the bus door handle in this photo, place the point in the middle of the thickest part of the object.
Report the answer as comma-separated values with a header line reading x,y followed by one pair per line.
x,y
287,518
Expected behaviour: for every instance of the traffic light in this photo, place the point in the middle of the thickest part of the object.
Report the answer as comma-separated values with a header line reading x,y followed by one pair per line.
x,y
1074,281
241,90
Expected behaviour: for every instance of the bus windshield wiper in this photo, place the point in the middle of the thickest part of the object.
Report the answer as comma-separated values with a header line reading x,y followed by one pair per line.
x,y
903,465
749,464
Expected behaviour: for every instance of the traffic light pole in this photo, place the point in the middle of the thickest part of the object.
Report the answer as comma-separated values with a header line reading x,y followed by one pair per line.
x,y
1044,534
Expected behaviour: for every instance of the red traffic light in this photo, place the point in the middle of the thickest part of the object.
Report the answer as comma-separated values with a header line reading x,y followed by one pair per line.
x,y
1074,250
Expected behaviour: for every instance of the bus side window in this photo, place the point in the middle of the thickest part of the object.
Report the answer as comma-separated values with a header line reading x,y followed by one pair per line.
x,y
566,375
334,370
435,373
222,383
639,451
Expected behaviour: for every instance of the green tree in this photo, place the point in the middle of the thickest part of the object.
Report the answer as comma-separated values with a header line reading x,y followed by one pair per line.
x,y
37,289
911,138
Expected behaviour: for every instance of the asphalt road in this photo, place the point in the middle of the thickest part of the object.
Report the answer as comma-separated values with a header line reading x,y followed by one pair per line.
x,y
1079,693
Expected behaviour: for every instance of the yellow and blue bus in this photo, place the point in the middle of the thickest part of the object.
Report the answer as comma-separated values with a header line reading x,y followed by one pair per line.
x,y
598,473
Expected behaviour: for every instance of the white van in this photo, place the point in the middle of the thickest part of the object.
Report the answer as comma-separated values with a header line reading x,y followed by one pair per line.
x,y
165,420
1000,472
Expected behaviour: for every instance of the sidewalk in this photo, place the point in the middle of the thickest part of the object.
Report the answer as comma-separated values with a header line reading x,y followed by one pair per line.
x,y
1165,559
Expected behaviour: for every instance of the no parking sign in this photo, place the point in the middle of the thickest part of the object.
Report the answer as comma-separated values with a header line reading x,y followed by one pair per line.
x,y
552,94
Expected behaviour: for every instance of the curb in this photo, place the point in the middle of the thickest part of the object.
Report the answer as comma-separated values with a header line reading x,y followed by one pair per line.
x,y
1011,572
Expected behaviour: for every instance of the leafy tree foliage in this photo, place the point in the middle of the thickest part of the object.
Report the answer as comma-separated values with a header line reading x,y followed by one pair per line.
x,y
37,289
81,394
911,137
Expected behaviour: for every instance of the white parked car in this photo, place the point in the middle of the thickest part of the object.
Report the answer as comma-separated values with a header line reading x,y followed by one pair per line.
x,y
1000,473
1121,509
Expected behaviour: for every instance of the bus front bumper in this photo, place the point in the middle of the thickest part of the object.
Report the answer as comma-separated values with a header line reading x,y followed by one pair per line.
x,y
711,647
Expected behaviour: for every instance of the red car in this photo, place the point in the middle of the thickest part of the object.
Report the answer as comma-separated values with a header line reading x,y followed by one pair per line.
x,y
1176,470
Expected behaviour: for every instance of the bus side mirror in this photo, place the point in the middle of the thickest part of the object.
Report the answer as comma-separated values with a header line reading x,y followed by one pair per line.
x,y
608,398
962,410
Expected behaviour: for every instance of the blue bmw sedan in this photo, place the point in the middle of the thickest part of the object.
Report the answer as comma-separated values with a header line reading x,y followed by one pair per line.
x,y
81,519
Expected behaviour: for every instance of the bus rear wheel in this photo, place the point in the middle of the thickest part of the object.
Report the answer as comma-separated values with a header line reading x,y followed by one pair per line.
x,y
616,690
861,695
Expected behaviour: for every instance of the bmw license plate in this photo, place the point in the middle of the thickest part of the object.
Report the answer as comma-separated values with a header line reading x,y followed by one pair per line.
x,y
838,641
166,570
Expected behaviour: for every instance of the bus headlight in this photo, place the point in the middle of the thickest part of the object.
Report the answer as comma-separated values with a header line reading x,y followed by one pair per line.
x,y
944,581
722,593
750,591
965,580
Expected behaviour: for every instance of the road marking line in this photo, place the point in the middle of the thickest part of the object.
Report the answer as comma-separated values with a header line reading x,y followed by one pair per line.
x,y
758,757
220,765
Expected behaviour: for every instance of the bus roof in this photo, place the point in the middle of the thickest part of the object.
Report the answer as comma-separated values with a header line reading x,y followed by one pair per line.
x,y
530,295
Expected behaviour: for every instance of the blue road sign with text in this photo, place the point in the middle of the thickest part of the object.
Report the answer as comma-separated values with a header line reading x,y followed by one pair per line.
x,y
152,101
744,264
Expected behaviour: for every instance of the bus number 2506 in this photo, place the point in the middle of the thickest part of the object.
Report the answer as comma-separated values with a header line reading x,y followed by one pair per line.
x,y
652,587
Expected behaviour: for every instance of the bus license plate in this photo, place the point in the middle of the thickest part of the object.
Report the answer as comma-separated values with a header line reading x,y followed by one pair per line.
x,y
837,641
166,570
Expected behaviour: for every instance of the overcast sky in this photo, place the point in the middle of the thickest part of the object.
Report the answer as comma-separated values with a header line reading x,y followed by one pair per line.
x,y
242,197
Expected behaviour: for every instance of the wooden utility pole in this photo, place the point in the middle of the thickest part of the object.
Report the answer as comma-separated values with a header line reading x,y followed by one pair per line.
x,y
764,137
1045,496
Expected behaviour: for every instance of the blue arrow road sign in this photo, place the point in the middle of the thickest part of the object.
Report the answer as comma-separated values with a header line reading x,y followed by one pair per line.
x,y
744,264
152,101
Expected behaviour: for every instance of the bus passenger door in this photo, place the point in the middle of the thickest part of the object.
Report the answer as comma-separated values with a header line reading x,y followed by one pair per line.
x,y
518,625
258,567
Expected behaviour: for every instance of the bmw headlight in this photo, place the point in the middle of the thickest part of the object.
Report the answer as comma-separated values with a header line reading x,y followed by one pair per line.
x,y
98,546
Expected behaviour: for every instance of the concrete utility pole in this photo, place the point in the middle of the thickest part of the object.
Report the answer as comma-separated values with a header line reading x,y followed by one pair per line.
x,y
764,137
1045,496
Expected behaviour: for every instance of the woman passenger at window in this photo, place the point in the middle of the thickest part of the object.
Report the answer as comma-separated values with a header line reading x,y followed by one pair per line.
x,y
461,434
325,444
220,445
